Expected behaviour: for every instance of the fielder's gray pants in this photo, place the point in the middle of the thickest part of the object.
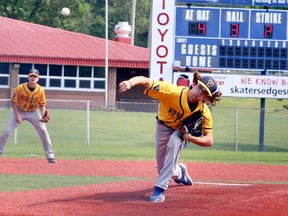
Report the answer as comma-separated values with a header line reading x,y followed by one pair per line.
x,y
168,149
33,118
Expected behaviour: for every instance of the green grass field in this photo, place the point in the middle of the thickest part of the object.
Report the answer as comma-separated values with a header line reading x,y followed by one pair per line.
x,y
130,136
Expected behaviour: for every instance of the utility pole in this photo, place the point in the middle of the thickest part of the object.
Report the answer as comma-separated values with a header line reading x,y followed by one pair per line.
x,y
132,21
106,54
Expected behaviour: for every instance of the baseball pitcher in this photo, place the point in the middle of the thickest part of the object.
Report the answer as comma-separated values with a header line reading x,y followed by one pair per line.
x,y
183,116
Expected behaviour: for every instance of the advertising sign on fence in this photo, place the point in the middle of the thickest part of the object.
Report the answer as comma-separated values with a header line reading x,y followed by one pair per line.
x,y
247,85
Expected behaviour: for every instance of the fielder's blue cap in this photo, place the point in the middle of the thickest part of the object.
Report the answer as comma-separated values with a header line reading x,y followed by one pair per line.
x,y
33,72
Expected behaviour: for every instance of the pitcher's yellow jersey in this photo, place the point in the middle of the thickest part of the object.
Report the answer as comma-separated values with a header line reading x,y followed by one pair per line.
x,y
27,100
174,107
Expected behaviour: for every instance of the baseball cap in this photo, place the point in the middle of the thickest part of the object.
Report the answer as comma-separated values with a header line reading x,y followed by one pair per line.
x,y
209,84
33,72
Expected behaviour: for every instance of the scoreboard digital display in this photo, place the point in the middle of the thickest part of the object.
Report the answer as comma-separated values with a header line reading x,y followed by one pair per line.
x,y
228,38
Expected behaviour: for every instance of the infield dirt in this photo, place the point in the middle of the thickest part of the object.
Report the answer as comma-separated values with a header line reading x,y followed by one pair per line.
x,y
219,189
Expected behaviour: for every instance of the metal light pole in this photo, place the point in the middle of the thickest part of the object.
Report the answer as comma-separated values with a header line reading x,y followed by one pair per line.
x,y
132,21
106,52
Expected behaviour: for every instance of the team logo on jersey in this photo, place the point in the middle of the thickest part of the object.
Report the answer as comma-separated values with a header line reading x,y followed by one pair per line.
x,y
183,80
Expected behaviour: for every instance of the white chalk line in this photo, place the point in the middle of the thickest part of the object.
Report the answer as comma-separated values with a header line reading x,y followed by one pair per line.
x,y
223,184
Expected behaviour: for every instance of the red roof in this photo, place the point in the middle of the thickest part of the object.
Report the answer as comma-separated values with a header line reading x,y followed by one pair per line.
x,y
24,42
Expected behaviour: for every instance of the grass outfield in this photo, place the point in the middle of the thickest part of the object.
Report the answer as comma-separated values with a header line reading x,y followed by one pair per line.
x,y
10,182
130,136
252,102
114,152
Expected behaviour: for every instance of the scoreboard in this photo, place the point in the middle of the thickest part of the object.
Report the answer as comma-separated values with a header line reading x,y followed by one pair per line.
x,y
228,38
274,3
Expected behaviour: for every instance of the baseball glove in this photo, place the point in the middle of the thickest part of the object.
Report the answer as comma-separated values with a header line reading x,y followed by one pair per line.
x,y
46,117
192,125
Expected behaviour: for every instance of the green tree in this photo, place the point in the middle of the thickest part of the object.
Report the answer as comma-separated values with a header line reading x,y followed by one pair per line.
x,y
142,23
47,12
120,10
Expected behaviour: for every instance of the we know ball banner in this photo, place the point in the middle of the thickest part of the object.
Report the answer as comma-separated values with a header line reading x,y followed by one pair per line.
x,y
247,85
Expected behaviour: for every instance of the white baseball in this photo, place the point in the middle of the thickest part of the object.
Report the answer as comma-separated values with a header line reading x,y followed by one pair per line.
x,y
65,11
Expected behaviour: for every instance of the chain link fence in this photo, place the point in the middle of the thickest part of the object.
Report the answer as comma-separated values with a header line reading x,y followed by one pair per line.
x,y
235,128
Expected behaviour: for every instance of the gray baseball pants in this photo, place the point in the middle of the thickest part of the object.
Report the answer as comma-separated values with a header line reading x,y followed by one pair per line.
x,y
168,149
33,118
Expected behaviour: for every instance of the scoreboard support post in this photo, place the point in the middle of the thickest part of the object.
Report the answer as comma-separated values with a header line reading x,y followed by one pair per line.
x,y
262,119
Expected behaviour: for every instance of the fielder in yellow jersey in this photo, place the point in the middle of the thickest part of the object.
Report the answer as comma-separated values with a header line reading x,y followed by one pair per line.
x,y
27,98
183,116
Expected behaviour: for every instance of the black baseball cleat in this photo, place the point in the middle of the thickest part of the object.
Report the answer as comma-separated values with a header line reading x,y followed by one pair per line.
x,y
51,160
